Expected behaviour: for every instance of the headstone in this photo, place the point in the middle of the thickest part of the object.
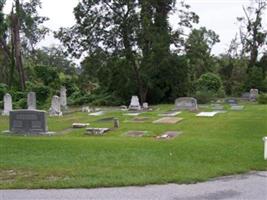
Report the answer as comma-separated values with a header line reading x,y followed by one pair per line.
x,y
7,104
168,120
63,98
55,109
237,107
231,101
246,96
28,122
145,106
217,106
134,105
86,109
116,123
253,94
31,101
99,113
186,103
123,108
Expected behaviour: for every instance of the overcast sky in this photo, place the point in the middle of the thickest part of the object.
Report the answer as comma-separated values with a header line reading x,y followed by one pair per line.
x,y
218,15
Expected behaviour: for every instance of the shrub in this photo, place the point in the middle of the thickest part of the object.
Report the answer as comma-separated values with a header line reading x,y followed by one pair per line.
x,y
262,99
3,90
210,82
204,96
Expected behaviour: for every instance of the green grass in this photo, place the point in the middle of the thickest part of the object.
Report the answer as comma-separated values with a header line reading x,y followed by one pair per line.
x,y
209,147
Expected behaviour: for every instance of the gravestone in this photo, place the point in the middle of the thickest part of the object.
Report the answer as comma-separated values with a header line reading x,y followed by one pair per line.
x,y
231,101
31,101
168,135
86,109
186,103
55,109
7,104
97,131
116,123
134,105
63,98
145,106
28,122
80,125
246,96
136,133
217,106
253,94
170,114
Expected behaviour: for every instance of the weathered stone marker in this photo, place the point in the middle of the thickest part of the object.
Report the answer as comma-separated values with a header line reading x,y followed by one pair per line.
x,y
253,94
7,105
31,101
63,98
135,104
186,103
116,123
55,109
28,122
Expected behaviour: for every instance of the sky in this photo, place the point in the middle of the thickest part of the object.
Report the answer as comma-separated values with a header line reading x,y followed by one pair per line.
x,y
217,15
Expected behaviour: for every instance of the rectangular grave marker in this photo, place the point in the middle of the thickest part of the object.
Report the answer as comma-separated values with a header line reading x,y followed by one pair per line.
x,y
28,121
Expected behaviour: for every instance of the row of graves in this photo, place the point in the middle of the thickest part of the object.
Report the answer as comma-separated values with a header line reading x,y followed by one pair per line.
x,y
33,121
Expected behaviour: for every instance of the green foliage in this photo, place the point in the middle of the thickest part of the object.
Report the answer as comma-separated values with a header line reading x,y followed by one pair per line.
x,y
262,98
204,96
256,79
210,82
3,90
48,75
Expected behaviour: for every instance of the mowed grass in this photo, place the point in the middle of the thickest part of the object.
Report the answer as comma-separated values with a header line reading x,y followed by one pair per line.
x,y
227,144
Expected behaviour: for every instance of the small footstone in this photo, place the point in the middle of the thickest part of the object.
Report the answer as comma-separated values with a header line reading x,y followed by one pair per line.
x,y
168,120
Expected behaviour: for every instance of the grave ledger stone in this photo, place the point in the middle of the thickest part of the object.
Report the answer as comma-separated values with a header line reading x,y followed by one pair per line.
x,y
28,122
186,103
7,104
31,101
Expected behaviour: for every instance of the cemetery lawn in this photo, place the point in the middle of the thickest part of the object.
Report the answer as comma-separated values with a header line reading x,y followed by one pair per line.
x,y
228,143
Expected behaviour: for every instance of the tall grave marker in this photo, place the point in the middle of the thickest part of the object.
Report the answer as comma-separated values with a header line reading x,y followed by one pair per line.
x,y
7,105
31,101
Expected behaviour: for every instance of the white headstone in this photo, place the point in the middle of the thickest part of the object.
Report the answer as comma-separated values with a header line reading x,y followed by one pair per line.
x,y
253,94
31,101
145,105
7,104
63,97
55,109
134,105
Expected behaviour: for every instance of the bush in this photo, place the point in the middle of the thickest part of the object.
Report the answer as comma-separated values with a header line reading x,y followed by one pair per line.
x,y
262,99
210,82
3,90
204,96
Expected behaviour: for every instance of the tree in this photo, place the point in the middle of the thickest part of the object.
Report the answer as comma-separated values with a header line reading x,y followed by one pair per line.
x,y
136,32
253,34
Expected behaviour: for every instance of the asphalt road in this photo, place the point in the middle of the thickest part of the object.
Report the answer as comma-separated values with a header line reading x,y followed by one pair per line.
x,y
251,186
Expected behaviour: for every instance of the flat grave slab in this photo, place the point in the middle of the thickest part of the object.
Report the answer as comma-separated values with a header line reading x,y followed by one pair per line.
x,y
108,119
97,131
235,107
80,125
170,114
168,135
207,114
99,113
217,107
132,114
139,119
136,133
168,120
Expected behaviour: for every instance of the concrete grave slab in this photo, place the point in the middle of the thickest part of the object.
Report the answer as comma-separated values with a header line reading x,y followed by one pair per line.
x,y
132,114
207,114
237,108
99,113
168,120
136,133
108,119
168,135
79,125
97,131
170,114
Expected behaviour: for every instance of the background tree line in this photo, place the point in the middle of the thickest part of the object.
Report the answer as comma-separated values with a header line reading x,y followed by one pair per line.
x,y
128,47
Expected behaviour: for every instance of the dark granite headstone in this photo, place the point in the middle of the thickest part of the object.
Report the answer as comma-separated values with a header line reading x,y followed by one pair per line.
x,y
28,121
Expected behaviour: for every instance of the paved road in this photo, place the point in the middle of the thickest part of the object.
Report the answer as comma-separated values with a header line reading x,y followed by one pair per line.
x,y
252,186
